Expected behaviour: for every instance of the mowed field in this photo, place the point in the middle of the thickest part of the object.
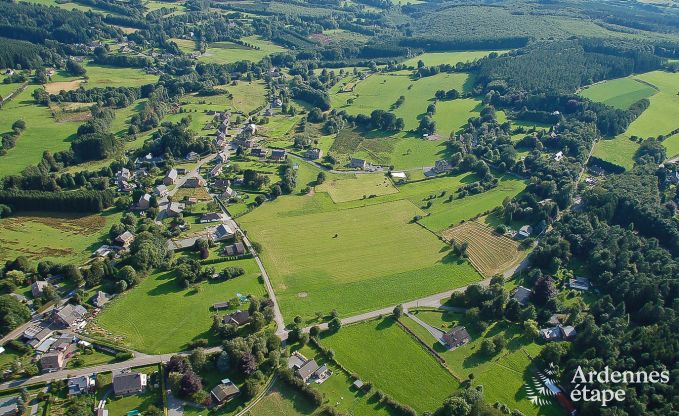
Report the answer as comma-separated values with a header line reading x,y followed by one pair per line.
x,y
353,260
504,375
42,132
452,115
619,93
54,236
450,58
489,252
393,361
159,316
342,188
228,52
380,91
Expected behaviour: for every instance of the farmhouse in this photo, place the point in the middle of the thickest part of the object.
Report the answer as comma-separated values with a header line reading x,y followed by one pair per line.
x,y
222,157
126,382
80,385
228,193
358,163
9,406
53,361
100,299
222,232
144,202
237,249
307,369
125,239
525,231
194,182
36,334
558,333
216,170
278,155
456,337
238,318
579,283
211,217
68,315
522,295
221,183
441,166
313,154
225,391
398,175
38,287
173,209
170,178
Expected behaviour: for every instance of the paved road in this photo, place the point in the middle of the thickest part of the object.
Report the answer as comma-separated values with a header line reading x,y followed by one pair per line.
x,y
67,373
435,332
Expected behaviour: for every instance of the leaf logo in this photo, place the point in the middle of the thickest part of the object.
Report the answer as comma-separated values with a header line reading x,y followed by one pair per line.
x,y
538,388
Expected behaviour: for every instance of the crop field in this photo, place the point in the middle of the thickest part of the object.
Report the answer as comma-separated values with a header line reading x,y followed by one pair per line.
x,y
56,87
353,260
446,214
54,236
228,52
42,132
357,187
489,252
159,316
394,362
504,375
619,93
380,91
450,58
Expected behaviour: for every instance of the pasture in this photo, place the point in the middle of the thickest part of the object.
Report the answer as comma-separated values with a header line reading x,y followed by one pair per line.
x,y
58,237
159,316
662,115
619,150
109,76
354,260
380,91
255,49
342,189
42,132
448,58
394,362
282,400
619,93
503,375
452,115
489,252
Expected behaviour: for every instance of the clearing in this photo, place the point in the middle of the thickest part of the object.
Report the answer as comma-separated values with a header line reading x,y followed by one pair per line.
x,y
619,93
350,187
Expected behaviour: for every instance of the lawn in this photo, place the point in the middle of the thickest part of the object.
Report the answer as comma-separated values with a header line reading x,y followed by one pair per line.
x,y
283,400
445,214
42,132
353,187
229,52
245,97
380,91
382,353
449,58
161,317
354,260
489,252
619,93
57,237
109,76
504,375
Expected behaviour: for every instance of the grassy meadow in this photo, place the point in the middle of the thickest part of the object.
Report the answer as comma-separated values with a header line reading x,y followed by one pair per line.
x,y
394,362
228,52
159,316
619,93
343,189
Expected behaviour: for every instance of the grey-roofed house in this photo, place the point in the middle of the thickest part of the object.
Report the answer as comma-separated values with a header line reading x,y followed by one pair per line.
x,y
222,232
144,202
216,170
221,183
225,391
456,337
228,193
194,182
313,154
358,163
211,217
127,382
525,231
52,361
238,318
441,166
278,155
522,295
236,249
173,209
69,314
258,152
170,178
9,406
101,412
125,239
307,370
579,283
100,299
80,385
38,287
160,190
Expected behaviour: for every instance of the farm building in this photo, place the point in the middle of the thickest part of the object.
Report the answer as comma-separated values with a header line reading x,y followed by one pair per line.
x,y
398,175
68,315
124,239
100,299
558,333
278,155
456,337
238,318
126,382
579,283
222,232
525,231
9,406
228,193
258,152
522,295
358,163
307,369
144,202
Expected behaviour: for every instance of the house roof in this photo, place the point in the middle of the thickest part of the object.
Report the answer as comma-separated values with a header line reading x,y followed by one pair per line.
x,y
128,381
306,370
225,391
9,405
172,174
222,231
522,294
211,216
296,360
38,287
458,335
235,249
277,152
100,299
78,384
125,237
52,360
238,317
71,313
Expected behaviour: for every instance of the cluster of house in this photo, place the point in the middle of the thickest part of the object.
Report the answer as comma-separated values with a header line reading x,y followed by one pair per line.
x,y
120,244
556,332
125,179
308,370
276,155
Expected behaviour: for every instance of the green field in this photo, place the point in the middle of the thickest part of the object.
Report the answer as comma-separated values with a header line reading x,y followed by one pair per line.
x,y
452,115
282,400
321,257
42,132
380,91
344,189
503,375
382,353
619,93
450,58
245,97
54,236
160,317
619,150
228,52
108,76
